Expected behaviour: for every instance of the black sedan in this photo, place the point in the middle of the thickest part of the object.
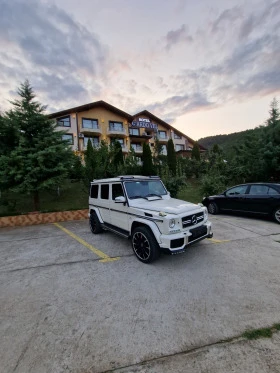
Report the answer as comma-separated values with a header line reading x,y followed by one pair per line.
x,y
253,198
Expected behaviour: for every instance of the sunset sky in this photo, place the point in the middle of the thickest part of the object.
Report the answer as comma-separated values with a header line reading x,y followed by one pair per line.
x,y
205,67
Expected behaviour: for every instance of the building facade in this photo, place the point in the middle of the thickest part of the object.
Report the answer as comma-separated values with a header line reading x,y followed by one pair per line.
x,y
99,121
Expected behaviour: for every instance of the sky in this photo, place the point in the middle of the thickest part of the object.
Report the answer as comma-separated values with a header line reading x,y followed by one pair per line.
x,y
205,67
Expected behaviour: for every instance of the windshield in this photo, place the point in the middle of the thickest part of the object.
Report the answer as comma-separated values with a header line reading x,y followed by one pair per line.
x,y
145,189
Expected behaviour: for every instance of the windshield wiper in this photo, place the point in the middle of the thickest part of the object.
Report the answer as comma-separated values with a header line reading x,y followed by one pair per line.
x,y
134,197
154,195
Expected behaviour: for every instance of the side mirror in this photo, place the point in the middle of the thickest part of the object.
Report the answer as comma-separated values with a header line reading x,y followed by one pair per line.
x,y
120,199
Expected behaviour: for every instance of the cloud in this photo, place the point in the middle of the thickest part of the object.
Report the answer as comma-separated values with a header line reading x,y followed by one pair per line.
x,y
226,18
58,55
175,37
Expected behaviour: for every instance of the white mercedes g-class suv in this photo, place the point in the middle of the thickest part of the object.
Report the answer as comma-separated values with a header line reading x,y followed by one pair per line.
x,y
140,208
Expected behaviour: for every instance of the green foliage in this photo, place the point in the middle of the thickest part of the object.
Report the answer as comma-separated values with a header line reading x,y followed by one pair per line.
x,y
77,171
147,167
171,157
35,158
172,183
131,166
195,152
117,155
258,333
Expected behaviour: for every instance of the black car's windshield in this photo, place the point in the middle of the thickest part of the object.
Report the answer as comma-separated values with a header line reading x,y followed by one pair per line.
x,y
144,189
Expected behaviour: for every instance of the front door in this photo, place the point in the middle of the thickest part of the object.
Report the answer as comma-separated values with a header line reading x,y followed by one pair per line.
x,y
118,211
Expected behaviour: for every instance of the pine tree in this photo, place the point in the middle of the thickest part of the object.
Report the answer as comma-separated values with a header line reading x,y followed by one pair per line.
x,y
171,157
195,152
36,158
147,168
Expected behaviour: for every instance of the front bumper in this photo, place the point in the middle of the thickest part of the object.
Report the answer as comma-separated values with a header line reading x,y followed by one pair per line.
x,y
177,243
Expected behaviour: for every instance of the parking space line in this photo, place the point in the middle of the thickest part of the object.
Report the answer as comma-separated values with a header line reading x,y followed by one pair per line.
x,y
104,257
217,241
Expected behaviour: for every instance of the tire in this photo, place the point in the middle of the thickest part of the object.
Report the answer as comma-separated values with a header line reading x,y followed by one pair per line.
x,y
276,215
144,245
94,224
213,208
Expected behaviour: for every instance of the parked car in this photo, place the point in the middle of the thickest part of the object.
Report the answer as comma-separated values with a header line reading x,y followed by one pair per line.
x,y
141,209
252,198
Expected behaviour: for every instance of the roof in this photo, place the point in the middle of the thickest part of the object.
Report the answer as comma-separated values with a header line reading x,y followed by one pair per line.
x,y
166,125
125,178
89,106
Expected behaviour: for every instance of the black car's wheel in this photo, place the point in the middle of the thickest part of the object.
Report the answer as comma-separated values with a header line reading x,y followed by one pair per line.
x,y
144,245
94,224
213,208
276,215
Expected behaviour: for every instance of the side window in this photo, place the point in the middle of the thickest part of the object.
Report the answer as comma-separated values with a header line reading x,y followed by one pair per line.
x,y
241,189
272,191
117,190
94,191
258,189
105,191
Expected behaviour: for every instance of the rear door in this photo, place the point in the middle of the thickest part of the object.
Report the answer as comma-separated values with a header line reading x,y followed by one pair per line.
x,y
104,202
261,199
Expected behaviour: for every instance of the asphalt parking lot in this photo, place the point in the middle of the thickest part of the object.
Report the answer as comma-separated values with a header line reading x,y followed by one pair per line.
x,y
74,302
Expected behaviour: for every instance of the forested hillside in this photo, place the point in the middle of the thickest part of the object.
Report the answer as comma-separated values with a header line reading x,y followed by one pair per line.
x,y
228,142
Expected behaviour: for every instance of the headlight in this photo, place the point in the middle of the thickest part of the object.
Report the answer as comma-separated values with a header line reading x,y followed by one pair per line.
x,y
171,223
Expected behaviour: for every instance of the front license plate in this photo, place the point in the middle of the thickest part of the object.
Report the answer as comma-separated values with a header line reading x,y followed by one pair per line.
x,y
198,232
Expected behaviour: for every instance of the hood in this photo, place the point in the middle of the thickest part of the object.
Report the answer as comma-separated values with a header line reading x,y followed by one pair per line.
x,y
169,206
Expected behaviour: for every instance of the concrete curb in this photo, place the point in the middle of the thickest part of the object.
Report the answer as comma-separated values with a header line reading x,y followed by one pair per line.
x,y
42,218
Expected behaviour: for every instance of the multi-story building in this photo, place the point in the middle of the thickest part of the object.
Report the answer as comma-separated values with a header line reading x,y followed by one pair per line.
x,y
101,121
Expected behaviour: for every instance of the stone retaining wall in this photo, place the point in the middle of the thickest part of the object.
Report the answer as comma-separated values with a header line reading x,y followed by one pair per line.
x,y
42,218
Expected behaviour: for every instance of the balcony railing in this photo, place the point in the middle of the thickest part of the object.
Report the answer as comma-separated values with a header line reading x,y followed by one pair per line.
x,y
116,131
90,130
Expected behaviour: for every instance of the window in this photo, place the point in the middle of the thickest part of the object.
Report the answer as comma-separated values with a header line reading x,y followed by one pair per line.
x,y
134,131
137,147
105,191
90,123
116,126
164,149
258,189
121,141
94,191
179,147
68,137
241,189
176,136
162,134
262,189
94,140
272,191
64,121
117,191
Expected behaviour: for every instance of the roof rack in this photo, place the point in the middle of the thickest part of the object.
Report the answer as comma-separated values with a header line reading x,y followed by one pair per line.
x,y
126,177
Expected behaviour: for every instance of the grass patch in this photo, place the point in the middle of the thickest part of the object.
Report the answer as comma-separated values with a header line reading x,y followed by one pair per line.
x,y
276,326
191,192
70,196
258,333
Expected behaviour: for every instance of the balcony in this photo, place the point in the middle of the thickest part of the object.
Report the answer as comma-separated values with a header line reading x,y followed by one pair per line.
x,y
139,136
137,148
162,139
116,132
94,130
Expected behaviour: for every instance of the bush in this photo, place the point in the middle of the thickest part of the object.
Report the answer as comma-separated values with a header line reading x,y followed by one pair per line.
x,y
212,184
174,184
